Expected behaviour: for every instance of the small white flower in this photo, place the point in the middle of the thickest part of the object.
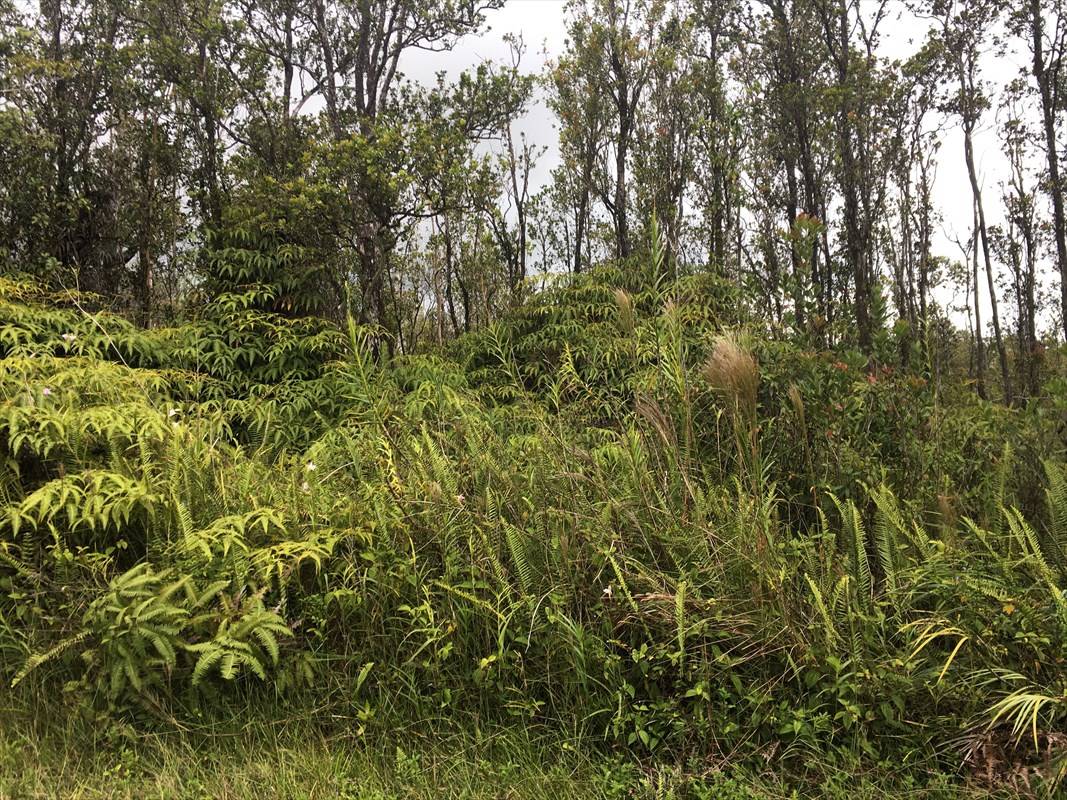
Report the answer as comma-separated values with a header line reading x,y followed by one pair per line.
x,y
46,392
460,498
310,466
68,337
608,593
171,412
305,487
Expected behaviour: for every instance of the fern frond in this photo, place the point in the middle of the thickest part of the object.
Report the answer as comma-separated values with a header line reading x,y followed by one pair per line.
x,y
829,630
520,556
210,655
1056,499
887,524
857,543
1025,535
38,659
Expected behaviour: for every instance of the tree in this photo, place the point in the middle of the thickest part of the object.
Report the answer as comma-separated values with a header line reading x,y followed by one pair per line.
x,y
717,136
1043,24
599,85
576,98
666,130
515,165
790,83
1019,243
353,62
961,33
867,125
913,175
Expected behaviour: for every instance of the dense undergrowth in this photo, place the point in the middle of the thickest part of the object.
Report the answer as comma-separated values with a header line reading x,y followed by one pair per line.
x,y
624,515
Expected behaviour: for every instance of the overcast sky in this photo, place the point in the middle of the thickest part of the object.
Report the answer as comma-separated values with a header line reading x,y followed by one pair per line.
x,y
542,26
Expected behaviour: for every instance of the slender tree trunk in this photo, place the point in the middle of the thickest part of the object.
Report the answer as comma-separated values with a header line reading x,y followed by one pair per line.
x,y
622,225
1024,262
446,230
924,257
792,213
288,71
209,119
983,237
61,245
144,230
624,107
978,340
579,229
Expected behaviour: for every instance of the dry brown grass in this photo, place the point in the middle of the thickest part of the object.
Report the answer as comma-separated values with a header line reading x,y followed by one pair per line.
x,y
732,371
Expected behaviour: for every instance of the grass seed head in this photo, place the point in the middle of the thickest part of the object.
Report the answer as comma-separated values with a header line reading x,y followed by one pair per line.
x,y
732,371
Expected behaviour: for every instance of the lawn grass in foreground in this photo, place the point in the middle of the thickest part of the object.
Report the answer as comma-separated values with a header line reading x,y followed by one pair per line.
x,y
47,754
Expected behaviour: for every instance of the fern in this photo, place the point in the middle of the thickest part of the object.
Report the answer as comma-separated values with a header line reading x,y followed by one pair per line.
x,y
887,525
1028,542
520,557
857,543
829,630
247,642
1056,498
38,659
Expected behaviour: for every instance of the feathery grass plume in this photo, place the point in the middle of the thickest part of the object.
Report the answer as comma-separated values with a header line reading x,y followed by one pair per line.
x,y
948,517
625,303
732,371
798,405
652,412
797,401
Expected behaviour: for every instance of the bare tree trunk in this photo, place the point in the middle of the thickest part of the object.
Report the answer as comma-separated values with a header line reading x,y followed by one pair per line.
x,y
979,342
983,237
622,227
449,298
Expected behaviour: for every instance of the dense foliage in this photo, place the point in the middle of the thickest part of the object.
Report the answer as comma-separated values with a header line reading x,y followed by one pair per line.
x,y
620,512
729,450
318,153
